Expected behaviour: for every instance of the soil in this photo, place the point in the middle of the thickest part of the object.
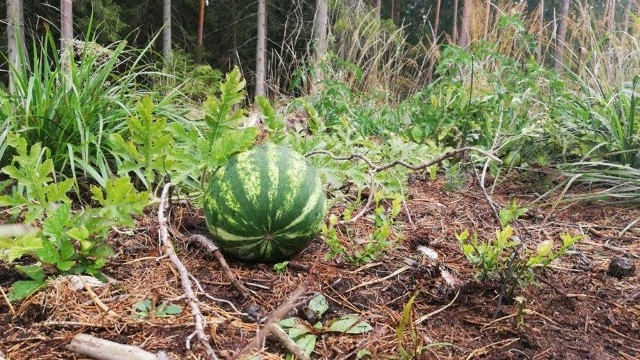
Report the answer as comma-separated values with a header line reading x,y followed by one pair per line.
x,y
576,310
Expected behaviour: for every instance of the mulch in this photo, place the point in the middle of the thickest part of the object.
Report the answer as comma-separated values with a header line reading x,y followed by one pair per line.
x,y
575,311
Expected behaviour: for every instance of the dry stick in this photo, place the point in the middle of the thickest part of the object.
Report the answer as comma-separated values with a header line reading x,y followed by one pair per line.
x,y
163,233
373,169
211,247
96,300
271,325
6,299
425,317
108,350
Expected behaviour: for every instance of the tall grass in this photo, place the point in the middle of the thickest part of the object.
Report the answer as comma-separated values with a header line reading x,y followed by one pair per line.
x,y
72,113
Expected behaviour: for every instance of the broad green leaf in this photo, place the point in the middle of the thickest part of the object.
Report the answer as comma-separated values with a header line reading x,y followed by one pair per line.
x,y
307,343
288,322
172,309
23,289
350,325
65,265
48,253
319,304
35,272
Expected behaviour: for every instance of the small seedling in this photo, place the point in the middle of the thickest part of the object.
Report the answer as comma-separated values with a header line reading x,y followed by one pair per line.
x,y
145,308
306,334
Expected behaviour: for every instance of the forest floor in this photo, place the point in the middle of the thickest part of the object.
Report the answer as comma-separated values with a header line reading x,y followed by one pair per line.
x,y
576,311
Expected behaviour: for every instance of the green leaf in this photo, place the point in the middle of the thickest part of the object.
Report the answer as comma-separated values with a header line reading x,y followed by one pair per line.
x,y
35,272
350,325
56,222
288,322
307,343
67,250
24,288
172,309
319,304
48,253
65,265
15,248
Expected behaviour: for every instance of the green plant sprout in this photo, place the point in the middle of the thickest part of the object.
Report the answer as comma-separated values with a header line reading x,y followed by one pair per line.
x,y
305,334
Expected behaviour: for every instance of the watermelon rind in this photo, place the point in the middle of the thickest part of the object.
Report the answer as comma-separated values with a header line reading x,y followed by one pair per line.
x,y
265,204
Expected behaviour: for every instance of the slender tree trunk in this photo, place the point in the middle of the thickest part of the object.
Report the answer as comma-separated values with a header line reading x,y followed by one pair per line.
x,y
378,6
320,28
465,31
436,20
66,35
540,32
627,13
15,38
199,50
261,49
562,32
455,22
487,16
166,33
609,14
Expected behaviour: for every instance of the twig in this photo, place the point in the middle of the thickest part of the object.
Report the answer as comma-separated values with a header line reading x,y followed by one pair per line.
x,y
425,317
211,247
271,323
96,300
108,350
377,168
163,234
6,299
373,169
401,270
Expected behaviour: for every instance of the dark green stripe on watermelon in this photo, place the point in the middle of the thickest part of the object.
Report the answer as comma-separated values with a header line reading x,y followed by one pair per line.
x,y
265,204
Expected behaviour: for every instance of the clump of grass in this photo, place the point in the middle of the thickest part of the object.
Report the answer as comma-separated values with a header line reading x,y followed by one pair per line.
x,y
71,113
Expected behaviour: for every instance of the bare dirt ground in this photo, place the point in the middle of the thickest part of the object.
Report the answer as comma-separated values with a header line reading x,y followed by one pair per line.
x,y
577,310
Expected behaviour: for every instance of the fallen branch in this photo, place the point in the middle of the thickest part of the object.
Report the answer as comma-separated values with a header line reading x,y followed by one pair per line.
x,y
108,350
271,326
373,169
212,248
194,303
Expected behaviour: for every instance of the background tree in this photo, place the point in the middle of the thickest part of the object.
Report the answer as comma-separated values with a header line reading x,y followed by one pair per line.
x,y
465,30
166,32
562,32
66,34
15,36
320,27
261,49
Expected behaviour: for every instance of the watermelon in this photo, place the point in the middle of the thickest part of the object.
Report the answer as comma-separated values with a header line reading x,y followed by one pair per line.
x,y
265,204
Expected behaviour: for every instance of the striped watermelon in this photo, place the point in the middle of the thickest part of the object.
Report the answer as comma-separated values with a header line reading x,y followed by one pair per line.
x,y
265,204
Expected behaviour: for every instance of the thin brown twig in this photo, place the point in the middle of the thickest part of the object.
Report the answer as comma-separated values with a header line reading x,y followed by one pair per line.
x,y
212,248
194,303
271,324
96,300
373,169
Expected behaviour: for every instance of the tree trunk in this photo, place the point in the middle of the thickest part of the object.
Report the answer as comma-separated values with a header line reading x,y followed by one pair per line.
x,y
320,28
562,32
540,32
199,49
487,16
436,20
261,49
166,33
455,22
609,14
378,5
15,39
465,31
627,13
66,35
